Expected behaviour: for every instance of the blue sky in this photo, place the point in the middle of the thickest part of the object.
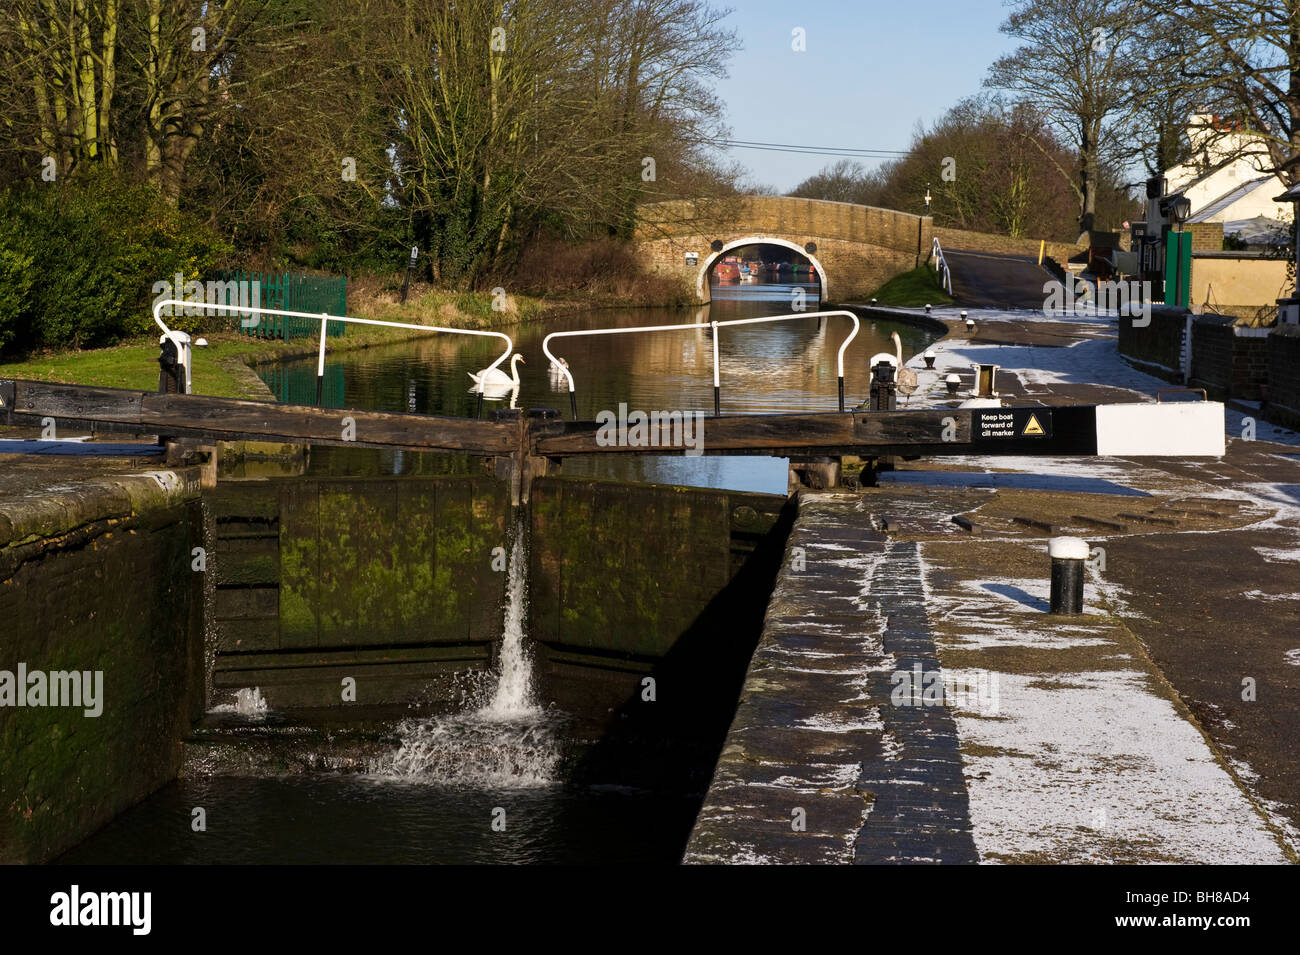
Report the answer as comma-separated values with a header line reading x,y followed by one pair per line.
x,y
871,70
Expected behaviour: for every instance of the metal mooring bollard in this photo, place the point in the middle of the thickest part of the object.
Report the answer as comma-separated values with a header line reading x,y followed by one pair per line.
x,y
1068,555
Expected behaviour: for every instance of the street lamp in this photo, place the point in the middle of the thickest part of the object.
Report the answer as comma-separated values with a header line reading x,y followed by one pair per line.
x,y
1180,210
1177,209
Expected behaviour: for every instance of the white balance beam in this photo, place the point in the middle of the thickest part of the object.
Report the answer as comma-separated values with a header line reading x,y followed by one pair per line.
x,y
1176,428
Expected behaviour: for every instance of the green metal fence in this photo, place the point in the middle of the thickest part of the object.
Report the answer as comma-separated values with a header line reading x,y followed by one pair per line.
x,y
293,292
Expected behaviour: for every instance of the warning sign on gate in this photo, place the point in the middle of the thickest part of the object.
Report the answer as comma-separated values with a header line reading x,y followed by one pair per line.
x,y
1010,424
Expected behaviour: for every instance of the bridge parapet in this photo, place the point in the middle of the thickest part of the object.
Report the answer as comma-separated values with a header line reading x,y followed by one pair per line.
x,y
858,248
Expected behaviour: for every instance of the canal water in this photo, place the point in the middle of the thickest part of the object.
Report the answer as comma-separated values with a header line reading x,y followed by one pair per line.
x,y
764,368
490,783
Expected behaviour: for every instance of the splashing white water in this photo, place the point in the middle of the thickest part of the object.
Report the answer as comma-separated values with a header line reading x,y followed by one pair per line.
x,y
513,697
467,750
248,702
506,742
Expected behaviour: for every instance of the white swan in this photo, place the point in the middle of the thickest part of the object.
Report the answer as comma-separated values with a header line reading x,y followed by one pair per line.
x,y
496,378
904,377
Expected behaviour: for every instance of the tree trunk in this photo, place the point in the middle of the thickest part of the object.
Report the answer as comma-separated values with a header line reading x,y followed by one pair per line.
x,y
1088,177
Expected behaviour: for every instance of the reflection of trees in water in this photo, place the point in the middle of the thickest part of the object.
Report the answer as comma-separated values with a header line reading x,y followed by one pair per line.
x,y
779,365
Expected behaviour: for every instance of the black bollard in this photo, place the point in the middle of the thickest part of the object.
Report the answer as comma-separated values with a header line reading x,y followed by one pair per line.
x,y
169,368
1068,555
882,387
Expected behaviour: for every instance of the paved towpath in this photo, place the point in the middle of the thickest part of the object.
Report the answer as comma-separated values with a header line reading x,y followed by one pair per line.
x,y
1161,725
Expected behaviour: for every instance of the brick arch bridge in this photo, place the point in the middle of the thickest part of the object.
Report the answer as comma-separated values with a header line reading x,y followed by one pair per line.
x,y
855,249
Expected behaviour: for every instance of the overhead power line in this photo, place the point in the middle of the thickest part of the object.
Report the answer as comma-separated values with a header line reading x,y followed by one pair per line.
x,y
845,151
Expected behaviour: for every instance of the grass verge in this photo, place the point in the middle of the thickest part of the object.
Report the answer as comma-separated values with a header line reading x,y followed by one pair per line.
x,y
222,369
913,289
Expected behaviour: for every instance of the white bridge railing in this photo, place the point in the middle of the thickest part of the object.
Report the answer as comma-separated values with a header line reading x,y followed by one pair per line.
x,y
563,367
181,341
941,266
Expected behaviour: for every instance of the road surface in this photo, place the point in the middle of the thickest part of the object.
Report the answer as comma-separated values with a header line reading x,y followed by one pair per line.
x,y
986,280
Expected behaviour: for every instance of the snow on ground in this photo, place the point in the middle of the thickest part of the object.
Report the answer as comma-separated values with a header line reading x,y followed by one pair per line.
x,y
1088,362
984,611
1096,361
1083,762
1080,763
1094,767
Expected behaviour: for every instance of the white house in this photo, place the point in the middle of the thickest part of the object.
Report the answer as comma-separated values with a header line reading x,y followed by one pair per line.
x,y
1226,182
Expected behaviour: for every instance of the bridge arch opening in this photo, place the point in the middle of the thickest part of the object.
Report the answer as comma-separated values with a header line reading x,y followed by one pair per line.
x,y
714,258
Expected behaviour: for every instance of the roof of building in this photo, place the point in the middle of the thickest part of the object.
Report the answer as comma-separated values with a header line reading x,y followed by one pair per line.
x,y
1260,230
1291,195
1217,206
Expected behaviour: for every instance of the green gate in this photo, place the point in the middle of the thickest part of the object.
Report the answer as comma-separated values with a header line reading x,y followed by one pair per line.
x,y
293,292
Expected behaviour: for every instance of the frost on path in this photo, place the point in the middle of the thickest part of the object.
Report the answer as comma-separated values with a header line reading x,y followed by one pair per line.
x,y
1088,759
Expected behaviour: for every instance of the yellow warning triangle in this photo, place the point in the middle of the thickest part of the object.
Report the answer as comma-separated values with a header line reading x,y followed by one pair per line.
x,y
1032,427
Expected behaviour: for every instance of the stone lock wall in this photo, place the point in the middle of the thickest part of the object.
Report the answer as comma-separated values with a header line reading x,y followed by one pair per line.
x,y
110,590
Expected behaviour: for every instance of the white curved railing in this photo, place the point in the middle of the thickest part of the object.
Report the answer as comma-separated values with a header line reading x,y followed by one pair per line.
x,y
325,318
941,265
563,368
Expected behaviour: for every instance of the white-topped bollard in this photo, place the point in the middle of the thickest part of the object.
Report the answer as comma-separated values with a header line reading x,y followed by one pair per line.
x,y
953,381
929,357
970,322
1068,555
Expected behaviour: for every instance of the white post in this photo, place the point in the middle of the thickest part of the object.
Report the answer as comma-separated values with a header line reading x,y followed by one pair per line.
x,y
717,395
320,361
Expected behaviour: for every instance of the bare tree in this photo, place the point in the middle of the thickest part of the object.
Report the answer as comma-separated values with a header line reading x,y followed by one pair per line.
x,y
1076,67
1244,54
844,180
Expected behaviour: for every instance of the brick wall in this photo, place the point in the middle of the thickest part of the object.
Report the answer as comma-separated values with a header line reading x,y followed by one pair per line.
x,y
1283,364
1228,361
1155,347
1001,244
1206,236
